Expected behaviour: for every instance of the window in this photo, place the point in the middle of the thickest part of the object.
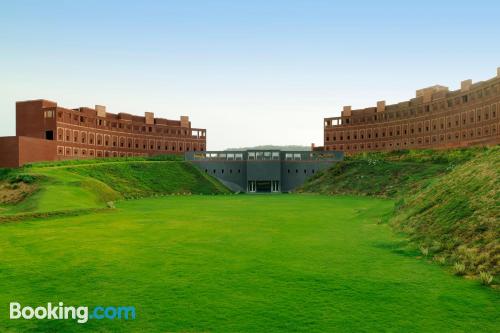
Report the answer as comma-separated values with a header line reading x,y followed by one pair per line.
x,y
49,135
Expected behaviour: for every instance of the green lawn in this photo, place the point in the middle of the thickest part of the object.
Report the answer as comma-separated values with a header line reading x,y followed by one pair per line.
x,y
237,263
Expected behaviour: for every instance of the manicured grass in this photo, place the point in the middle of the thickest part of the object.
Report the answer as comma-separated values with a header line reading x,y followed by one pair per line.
x,y
237,263
448,201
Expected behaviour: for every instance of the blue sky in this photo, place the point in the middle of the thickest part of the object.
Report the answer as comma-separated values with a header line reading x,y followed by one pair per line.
x,y
251,72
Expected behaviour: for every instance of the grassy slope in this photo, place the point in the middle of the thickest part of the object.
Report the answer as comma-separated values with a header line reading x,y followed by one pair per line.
x,y
457,217
376,177
448,200
262,263
388,174
81,185
138,179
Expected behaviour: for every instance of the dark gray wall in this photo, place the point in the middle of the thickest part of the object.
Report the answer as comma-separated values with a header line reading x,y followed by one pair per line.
x,y
233,174
291,169
263,170
295,173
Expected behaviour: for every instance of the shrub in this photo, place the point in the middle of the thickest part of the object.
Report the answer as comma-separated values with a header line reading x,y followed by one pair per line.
x,y
459,268
485,278
440,259
424,250
4,173
22,178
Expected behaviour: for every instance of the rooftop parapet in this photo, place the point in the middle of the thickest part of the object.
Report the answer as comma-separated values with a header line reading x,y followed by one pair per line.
x,y
380,106
424,95
465,85
100,111
347,111
427,93
263,155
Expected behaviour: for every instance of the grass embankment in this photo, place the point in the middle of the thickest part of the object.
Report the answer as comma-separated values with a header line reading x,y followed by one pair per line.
x,y
447,201
90,184
262,263
388,175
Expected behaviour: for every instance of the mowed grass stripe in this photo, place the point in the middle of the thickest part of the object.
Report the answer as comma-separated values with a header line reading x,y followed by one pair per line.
x,y
240,263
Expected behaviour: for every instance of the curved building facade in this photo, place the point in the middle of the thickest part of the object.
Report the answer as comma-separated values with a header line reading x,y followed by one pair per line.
x,y
435,118
46,131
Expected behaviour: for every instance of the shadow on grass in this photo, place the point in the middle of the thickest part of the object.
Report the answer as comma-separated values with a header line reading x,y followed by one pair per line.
x,y
400,247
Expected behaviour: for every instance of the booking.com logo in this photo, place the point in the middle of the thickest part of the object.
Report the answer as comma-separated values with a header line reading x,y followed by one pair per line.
x,y
61,312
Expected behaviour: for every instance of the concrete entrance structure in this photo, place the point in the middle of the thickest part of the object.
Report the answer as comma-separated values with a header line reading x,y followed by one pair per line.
x,y
263,170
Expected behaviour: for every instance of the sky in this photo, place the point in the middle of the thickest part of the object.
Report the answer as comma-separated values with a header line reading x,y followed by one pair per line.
x,y
250,72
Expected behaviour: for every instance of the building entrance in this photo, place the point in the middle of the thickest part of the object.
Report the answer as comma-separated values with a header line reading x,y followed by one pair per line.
x,y
263,186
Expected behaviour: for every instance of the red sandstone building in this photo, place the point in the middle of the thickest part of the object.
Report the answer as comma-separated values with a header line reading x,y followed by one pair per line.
x,y
435,118
47,132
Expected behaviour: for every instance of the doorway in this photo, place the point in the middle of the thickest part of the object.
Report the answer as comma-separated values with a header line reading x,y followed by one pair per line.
x,y
263,186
